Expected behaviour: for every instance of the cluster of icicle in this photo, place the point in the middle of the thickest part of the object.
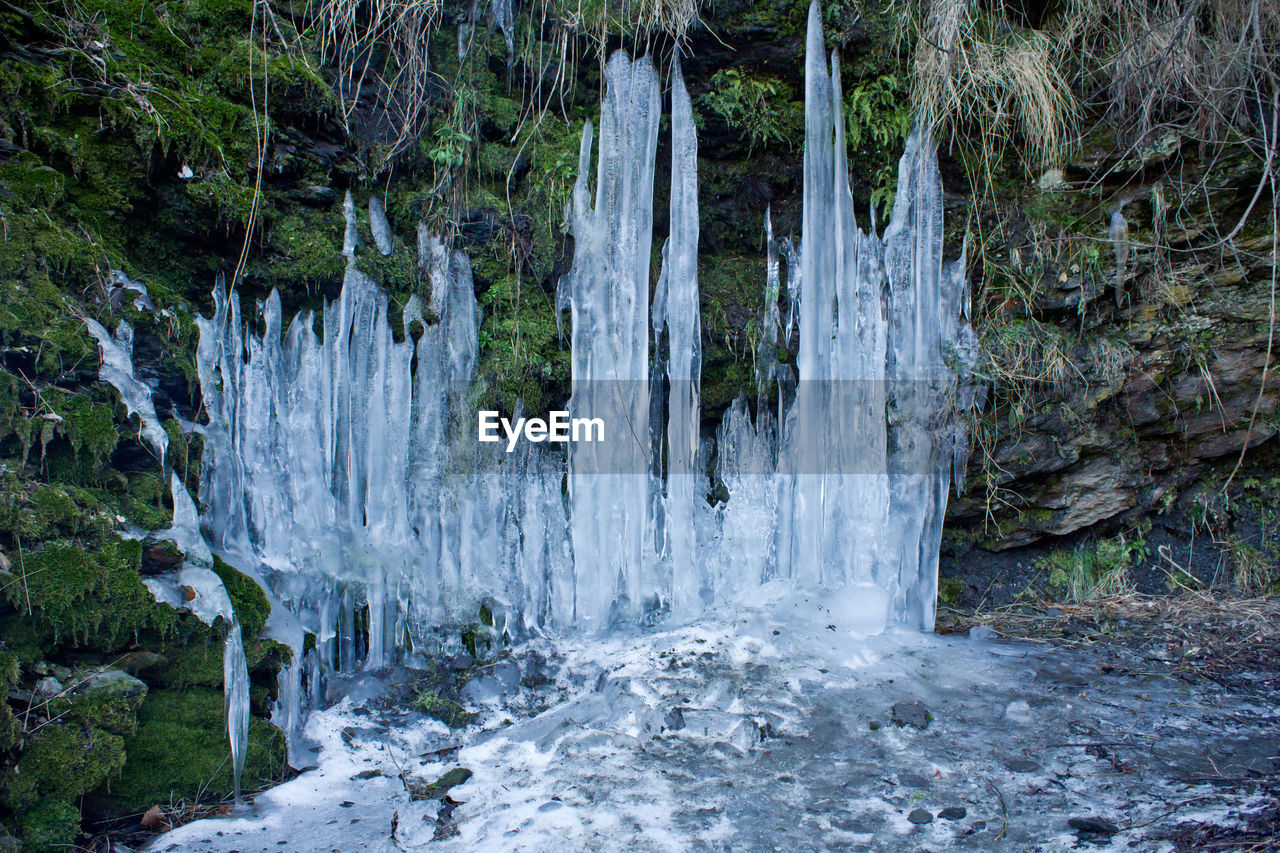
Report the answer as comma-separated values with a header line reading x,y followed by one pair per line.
x,y
336,456
334,463
341,469
194,587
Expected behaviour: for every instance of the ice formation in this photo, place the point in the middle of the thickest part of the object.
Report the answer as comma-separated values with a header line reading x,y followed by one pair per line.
x,y
675,308
606,294
117,369
379,227
199,590
342,473
193,587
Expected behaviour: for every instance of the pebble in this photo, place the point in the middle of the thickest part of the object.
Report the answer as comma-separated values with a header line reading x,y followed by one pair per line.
x,y
1093,826
953,813
911,714
920,816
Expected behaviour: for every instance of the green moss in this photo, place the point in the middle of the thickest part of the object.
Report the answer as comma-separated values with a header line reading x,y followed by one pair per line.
x,y
447,711
52,824
107,699
181,752
193,651
950,590
90,427
250,602
95,599
63,762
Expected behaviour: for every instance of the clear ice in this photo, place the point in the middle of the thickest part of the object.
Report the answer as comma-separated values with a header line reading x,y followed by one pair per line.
x,y
341,468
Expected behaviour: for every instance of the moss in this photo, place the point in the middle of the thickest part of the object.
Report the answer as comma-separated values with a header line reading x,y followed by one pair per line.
x,y
447,711
250,602
10,729
185,454
520,354
194,651
95,599
63,762
51,824
90,427
452,779
950,590
181,752
107,699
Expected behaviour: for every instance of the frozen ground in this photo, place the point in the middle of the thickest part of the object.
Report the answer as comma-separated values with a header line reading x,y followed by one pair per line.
x,y
773,729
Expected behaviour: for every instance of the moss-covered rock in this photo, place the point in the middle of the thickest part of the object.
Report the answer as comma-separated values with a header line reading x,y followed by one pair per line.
x,y
181,751
95,599
106,699
51,824
62,761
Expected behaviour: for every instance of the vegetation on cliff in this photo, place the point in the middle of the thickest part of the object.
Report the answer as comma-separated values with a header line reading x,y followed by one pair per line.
x,y
176,142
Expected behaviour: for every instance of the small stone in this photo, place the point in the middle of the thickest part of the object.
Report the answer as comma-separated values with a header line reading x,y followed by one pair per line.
x,y
48,686
141,661
920,816
1093,826
315,196
911,714
160,557
369,774
953,813
1022,765
437,789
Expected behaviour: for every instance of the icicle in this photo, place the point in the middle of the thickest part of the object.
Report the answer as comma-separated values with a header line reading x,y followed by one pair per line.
x,y
1119,236
607,293
502,17
185,530
122,284
379,226
199,590
117,369
676,308
351,236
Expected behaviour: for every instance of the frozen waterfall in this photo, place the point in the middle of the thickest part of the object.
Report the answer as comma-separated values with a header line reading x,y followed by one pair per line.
x,y
341,462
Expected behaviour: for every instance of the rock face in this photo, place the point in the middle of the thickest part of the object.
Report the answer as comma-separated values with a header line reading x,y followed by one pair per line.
x,y
1131,402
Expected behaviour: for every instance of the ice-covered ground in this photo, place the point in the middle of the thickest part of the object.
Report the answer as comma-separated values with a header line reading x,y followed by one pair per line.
x,y
772,729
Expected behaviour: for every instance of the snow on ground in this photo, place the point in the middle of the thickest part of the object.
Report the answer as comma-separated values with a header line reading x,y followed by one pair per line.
x,y
770,728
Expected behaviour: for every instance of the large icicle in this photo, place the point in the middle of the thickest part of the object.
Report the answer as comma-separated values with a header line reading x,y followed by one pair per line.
x,y
117,369
607,295
676,309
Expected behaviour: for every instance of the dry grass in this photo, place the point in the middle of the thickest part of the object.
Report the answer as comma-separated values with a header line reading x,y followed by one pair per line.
x,y
384,44
1198,634
977,78
1198,65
